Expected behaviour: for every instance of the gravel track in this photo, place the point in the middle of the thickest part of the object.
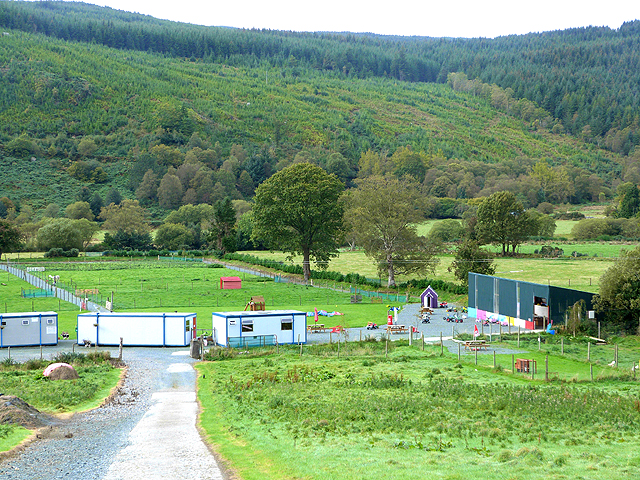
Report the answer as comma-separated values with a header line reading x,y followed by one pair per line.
x,y
147,431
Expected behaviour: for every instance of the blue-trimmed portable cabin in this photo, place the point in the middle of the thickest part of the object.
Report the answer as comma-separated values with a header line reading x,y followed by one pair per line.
x,y
256,328
28,329
146,329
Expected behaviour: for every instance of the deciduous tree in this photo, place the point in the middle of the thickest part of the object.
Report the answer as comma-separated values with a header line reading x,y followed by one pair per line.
x,y
78,210
619,297
10,237
502,221
297,211
173,236
170,191
128,217
470,257
381,215
59,233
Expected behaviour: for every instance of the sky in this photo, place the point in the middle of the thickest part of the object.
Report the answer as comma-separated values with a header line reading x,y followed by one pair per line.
x,y
442,18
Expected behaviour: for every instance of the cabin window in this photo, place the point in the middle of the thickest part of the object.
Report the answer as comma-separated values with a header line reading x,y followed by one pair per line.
x,y
247,326
286,324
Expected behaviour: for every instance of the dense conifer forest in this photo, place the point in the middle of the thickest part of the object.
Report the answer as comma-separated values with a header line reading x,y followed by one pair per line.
x,y
172,114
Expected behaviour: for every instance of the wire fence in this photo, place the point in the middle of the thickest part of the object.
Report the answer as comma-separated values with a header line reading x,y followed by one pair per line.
x,y
58,289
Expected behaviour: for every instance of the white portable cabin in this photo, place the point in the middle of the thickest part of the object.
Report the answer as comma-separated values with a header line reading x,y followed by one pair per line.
x,y
252,329
150,329
28,329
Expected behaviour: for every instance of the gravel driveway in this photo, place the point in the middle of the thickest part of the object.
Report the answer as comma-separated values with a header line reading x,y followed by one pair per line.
x,y
146,432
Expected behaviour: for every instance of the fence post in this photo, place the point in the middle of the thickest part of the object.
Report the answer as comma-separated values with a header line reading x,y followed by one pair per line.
x,y
588,351
546,368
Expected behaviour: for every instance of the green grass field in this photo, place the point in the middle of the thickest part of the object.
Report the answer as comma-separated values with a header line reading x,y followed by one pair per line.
x,y
415,414
578,273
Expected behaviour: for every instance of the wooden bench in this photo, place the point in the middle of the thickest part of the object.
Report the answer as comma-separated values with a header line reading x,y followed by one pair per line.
x,y
397,329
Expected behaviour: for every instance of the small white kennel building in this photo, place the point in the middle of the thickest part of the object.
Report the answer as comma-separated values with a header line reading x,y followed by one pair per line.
x,y
252,329
148,329
28,329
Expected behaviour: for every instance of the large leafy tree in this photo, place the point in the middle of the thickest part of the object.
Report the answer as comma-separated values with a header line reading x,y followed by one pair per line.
x,y
196,218
619,297
381,215
59,233
10,237
470,257
128,217
173,236
297,210
502,220
78,210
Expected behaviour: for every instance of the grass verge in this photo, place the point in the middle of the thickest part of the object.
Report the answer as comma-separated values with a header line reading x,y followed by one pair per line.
x,y
370,415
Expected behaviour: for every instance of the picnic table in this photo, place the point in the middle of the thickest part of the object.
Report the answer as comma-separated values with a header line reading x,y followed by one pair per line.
x,y
316,328
397,329
476,345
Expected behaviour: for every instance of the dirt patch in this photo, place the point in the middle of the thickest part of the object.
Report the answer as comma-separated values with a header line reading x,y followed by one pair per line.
x,y
16,411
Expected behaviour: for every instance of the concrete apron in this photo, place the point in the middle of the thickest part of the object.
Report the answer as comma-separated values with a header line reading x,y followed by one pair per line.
x,y
165,444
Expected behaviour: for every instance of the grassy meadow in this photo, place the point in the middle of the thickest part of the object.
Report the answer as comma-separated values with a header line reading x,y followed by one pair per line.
x,y
365,414
579,273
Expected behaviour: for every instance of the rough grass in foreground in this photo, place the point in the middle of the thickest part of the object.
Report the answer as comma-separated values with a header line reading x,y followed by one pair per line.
x,y
365,415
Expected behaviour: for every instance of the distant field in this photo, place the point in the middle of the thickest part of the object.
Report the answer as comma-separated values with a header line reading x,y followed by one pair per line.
x,y
591,249
563,228
581,274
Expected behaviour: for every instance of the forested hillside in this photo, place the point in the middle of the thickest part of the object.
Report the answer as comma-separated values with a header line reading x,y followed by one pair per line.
x,y
585,78
173,114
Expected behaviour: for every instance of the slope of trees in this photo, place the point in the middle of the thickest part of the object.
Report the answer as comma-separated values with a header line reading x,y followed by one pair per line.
x,y
585,78
76,115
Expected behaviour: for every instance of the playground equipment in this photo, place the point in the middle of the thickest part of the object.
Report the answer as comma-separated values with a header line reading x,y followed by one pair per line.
x,y
256,303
